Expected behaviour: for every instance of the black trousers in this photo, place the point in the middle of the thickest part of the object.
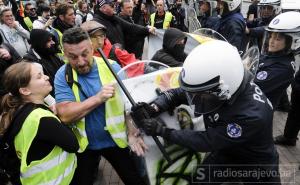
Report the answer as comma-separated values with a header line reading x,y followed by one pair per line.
x,y
217,169
292,125
119,158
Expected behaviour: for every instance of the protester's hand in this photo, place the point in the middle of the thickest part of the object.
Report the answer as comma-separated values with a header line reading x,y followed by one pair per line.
x,y
137,144
107,92
154,127
49,22
151,30
4,54
14,24
247,31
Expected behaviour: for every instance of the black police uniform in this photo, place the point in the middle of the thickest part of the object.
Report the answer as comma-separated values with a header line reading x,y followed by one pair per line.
x,y
292,126
207,21
275,73
238,135
232,26
256,31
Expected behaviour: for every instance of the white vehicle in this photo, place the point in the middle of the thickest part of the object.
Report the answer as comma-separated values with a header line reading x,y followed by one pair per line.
x,y
290,5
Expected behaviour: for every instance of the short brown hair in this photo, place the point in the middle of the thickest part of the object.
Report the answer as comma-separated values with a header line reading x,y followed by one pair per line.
x,y
63,8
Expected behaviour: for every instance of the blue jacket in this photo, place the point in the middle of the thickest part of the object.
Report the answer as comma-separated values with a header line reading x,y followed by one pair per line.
x,y
232,27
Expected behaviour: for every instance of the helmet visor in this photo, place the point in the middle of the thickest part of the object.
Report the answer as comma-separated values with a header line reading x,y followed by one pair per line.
x,y
275,42
266,11
204,102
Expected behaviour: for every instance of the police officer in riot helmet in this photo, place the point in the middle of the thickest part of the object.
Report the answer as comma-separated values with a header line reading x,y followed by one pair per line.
x,y
232,25
207,14
267,10
237,115
276,66
280,23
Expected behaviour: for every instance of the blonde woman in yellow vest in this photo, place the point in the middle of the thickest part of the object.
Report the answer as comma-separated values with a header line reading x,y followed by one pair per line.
x,y
161,19
45,147
92,105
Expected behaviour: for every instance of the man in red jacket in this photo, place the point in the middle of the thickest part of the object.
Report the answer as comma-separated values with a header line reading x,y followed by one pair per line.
x,y
97,33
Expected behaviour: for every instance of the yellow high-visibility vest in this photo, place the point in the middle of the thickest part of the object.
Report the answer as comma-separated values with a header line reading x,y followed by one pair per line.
x,y
28,23
167,20
57,167
114,109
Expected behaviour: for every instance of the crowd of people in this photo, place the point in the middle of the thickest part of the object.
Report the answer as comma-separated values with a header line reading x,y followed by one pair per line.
x,y
54,82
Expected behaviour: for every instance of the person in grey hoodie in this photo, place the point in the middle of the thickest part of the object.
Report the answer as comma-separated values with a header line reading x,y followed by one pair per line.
x,y
12,32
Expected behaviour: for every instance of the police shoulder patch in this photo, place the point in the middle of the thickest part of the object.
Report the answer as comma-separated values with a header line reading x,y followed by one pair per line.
x,y
262,75
234,130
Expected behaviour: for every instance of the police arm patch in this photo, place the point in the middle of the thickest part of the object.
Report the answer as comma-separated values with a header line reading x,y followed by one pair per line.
x,y
234,130
262,75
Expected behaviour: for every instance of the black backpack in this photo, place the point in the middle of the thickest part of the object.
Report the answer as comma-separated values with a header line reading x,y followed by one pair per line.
x,y
9,162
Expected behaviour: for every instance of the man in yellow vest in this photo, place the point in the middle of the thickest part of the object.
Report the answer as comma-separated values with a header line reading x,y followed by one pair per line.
x,y
30,16
161,19
65,20
88,101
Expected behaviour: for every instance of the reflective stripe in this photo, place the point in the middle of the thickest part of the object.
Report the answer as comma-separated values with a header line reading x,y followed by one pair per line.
x,y
82,132
115,119
61,177
120,135
167,19
45,166
28,23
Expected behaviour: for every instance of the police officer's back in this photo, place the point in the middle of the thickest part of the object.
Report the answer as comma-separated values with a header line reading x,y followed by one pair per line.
x,y
232,25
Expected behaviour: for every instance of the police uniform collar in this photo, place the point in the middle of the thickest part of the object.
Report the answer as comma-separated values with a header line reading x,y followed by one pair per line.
x,y
247,78
269,60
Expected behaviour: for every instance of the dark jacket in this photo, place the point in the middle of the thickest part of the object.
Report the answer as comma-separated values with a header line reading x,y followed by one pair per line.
x,y
256,31
207,21
138,16
61,26
275,73
118,28
179,14
232,27
133,43
240,130
170,54
45,56
4,64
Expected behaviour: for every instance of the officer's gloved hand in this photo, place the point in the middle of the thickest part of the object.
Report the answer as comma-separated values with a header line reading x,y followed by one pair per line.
x,y
143,111
154,127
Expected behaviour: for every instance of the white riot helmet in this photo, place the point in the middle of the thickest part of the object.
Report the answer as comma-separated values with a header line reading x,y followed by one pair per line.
x,y
233,4
286,24
209,79
212,4
268,8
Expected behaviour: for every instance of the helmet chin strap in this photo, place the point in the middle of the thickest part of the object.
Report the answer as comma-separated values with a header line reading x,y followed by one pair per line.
x,y
224,93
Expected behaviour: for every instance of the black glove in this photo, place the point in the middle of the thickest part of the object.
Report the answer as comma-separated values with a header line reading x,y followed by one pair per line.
x,y
154,127
142,111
